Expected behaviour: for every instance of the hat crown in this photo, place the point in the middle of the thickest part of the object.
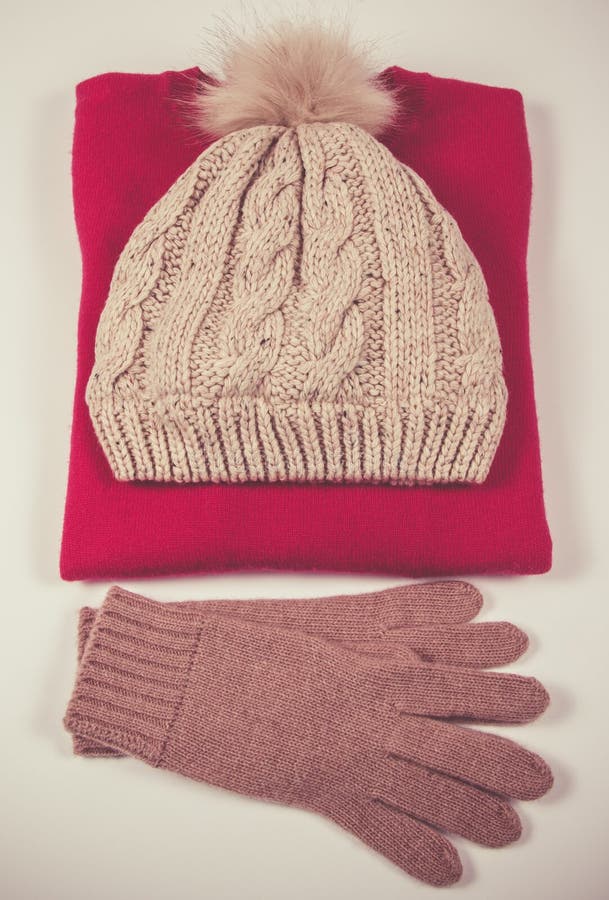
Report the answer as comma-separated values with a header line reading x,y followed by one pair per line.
x,y
303,271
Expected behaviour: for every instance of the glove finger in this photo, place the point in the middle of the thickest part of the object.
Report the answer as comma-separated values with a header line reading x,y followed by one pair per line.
x,y
435,602
454,692
413,846
348,616
446,803
489,761
481,645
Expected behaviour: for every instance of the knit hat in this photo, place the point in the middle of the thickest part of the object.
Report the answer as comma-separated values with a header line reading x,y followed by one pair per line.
x,y
298,306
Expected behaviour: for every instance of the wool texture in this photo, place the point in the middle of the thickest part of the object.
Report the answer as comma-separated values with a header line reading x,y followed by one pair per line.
x,y
355,739
298,306
424,622
468,142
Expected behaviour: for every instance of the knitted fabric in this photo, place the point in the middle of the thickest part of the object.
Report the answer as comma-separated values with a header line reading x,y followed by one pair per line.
x,y
432,620
283,716
469,143
298,307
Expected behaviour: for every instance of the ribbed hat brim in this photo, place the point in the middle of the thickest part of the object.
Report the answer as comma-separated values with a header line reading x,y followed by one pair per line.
x,y
249,440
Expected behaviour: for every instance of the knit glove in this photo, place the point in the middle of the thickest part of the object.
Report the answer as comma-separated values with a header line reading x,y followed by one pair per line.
x,y
287,717
433,619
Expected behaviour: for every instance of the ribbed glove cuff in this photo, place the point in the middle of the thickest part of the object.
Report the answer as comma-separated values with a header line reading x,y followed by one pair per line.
x,y
133,675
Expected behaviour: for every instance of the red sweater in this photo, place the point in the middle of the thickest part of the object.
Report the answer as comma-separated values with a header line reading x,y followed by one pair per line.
x,y
469,143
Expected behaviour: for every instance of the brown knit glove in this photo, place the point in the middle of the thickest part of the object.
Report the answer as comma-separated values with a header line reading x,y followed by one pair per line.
x,y
285,716
433,619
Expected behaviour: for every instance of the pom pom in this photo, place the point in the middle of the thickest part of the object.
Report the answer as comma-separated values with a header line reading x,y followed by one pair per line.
x,y
289,74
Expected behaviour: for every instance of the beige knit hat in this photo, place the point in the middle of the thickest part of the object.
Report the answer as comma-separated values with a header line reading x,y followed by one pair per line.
x,y
298,306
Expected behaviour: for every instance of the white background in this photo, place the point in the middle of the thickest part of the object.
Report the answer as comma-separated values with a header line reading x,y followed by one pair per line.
x,y
74,828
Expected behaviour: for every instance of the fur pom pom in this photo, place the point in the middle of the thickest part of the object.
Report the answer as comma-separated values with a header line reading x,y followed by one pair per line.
x,y
294,73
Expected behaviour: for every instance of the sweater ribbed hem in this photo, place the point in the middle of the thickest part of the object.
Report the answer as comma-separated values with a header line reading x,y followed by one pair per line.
x,y
252,440
132,676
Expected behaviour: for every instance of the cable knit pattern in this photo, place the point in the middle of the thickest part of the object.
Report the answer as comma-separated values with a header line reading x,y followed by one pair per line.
x,y
264,276
331,273
298,307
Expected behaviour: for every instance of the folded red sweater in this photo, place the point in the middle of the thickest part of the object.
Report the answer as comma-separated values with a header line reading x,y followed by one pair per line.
x,y
469,143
